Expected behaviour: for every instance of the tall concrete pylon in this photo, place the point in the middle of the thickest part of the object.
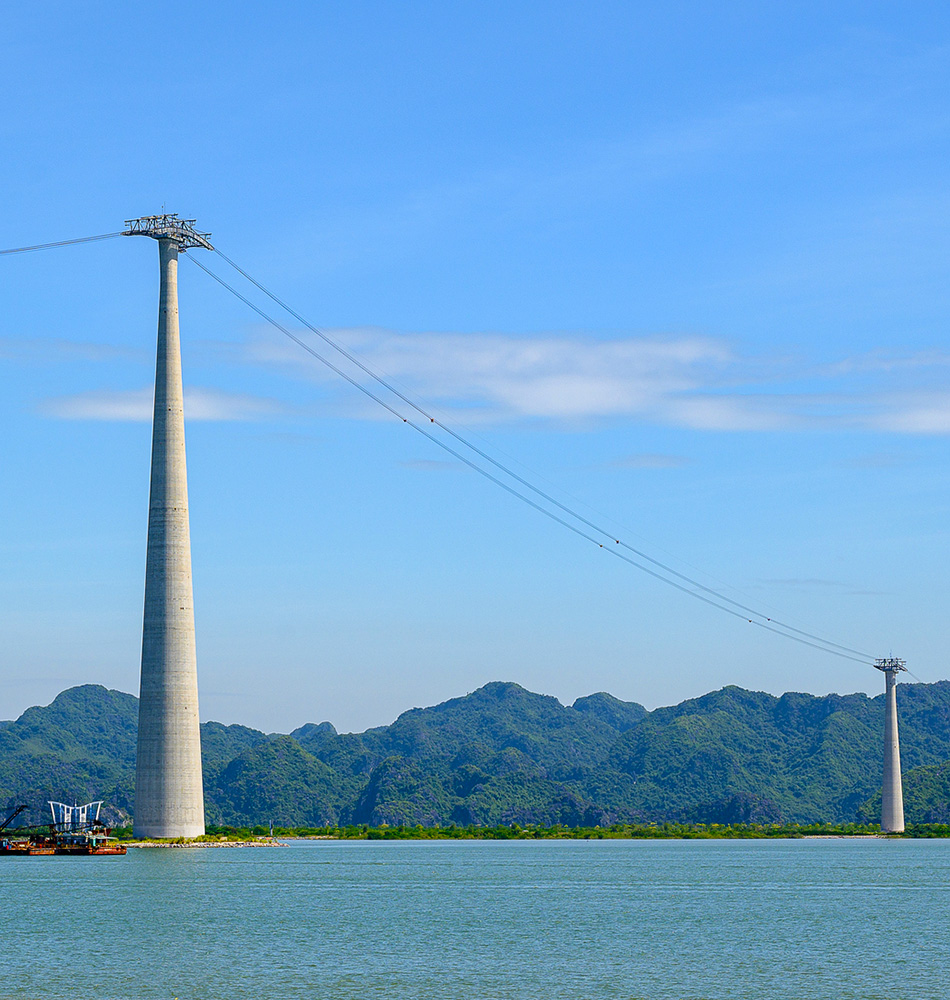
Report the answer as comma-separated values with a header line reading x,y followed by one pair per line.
x,y
169,795
892,793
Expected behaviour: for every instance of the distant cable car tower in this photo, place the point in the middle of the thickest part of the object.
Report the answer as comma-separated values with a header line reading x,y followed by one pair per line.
x,y
892,793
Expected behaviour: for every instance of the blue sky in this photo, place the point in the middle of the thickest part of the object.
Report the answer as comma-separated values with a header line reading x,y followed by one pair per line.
x,y
687,265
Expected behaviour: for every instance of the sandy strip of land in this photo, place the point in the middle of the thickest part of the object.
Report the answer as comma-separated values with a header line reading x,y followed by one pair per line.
x,y
844,836
265,842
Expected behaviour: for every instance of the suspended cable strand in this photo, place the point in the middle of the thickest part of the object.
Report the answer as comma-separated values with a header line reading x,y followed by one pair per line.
x,y
720,600
61,243
302,343
359,363
506,486
743,607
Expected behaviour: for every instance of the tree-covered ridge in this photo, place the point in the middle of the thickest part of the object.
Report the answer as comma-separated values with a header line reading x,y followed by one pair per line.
x,y
80,747
504,755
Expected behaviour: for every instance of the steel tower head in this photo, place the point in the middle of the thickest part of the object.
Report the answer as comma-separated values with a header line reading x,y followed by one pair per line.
x,y
890,664
168,227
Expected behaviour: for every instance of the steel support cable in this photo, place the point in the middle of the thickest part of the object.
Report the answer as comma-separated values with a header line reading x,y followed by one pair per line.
x,y
61,243
359,363
472,447
820,643
506,486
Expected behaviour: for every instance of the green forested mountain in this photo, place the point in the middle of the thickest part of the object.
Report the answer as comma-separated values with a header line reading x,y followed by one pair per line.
x,y
503,754
80,747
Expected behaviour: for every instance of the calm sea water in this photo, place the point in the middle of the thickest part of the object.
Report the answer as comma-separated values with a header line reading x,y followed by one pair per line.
x,y
671,919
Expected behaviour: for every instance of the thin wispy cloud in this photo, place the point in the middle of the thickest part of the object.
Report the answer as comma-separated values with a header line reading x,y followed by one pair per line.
x,y
887,362
650,461
881,460
807,584
56,350
494,377
433,465
633,162
136,405
915,413
692,382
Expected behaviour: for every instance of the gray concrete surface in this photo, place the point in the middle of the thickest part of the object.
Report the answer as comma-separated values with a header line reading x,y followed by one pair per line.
x,y
892,794
169,797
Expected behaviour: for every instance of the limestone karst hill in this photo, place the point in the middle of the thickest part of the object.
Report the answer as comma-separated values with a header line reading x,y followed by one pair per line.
x,y
504,754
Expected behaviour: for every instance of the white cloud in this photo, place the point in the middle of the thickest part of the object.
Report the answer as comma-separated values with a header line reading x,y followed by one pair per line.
x,y
880,361
136,404
53,350
695,382
916,413
650,461
496,377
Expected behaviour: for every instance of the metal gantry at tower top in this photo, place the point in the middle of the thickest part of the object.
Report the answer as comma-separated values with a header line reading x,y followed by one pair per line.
x,y
891,664
168,227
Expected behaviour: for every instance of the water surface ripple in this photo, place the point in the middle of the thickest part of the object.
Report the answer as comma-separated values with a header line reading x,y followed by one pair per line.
x,y
482,920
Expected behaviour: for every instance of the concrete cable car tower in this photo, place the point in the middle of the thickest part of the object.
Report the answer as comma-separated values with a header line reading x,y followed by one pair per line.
x,y
169,796
892,793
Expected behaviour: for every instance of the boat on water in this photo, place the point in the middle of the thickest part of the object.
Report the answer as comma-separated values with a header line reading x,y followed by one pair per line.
x,y
75,830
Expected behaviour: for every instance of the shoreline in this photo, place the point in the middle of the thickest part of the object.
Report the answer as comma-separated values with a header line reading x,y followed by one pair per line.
x,y
147,844
221,836
286,841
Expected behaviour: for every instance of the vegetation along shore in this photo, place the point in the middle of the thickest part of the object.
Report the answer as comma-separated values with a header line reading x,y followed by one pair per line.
x,y
229,836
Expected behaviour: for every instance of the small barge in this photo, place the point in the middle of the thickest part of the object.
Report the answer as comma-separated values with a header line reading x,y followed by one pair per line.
x,y
75,830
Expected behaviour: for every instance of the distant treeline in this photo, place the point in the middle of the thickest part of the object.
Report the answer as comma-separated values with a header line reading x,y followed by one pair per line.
x,y
617,831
